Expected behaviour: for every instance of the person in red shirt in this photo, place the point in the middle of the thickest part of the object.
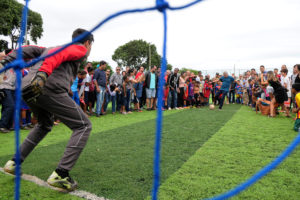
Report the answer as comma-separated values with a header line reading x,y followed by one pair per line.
x,y
206,91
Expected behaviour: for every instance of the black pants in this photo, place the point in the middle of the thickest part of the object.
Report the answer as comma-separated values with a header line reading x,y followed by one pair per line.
x,y
232,96
180,97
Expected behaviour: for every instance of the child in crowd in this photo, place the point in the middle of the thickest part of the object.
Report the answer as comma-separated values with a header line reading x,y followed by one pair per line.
x,y
217,91
206,91
124,94
239,92
25,110
191,99
197,94
296,92
186,93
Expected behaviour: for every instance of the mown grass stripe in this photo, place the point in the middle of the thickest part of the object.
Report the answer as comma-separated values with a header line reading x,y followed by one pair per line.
x,y
117,163
243,146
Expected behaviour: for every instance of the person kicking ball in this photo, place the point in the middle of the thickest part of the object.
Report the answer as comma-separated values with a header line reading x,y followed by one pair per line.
x,y
45,90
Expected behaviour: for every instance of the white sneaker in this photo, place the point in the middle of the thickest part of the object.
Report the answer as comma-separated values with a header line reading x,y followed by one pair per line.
x,y
170,109
10,167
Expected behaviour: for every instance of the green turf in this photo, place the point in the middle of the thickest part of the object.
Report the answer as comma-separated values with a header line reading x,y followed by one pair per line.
x,y
242,147
62,133
117,161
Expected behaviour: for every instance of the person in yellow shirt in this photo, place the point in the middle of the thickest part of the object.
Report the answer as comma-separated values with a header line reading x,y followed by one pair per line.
x,y
296,92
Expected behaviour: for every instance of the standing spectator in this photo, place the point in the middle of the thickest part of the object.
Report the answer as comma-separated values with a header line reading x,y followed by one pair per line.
x,y
107,96
8,101
286,83
91,94
226,81
100,83
74,89
181,90
206,91
87,83
116,80
151,81
174,84
232,91
198,77
293,79
263,72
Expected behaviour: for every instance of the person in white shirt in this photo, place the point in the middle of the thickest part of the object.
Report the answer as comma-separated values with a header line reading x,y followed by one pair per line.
x,y
286,83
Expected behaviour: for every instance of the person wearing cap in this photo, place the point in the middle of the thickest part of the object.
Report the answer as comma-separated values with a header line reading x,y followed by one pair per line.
x,y
45,90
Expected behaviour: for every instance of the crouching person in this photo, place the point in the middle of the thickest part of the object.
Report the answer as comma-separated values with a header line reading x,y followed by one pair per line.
x,y
296,92
45,90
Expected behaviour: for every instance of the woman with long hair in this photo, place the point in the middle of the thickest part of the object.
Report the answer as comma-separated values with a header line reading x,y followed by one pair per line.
x,y
279,95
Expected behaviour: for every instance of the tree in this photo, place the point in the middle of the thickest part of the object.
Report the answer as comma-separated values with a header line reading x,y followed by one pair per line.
x,y
191,70
3,45
136,53
169,67
10,22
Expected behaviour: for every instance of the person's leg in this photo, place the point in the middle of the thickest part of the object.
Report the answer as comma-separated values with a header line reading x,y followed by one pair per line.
x,y
102,94
45,122
74,118
113,104
151,103
222,99
98,107
169,100
127,100
230,96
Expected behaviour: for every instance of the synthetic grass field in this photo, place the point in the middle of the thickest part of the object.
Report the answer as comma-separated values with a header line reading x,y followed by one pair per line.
x,y
204,153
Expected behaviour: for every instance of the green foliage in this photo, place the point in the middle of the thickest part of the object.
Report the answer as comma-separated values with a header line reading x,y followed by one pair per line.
x,y
187,69
10,21
169,67
136,53
3,45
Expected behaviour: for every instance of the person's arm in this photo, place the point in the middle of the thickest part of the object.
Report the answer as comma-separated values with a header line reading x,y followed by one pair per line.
x,y
262,80
28,52
71,53
96,82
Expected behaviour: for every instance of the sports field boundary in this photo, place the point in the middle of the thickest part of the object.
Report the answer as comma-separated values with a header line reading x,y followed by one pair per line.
x,y
40,182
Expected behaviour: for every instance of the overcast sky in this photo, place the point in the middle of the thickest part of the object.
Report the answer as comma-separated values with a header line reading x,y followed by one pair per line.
x,y
214,34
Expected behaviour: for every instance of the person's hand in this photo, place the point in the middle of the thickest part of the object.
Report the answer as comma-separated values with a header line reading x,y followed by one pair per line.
x,y
70,93
98,89
295,110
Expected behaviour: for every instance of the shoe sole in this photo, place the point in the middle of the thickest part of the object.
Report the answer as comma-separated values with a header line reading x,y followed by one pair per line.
x,y
9,171
61,187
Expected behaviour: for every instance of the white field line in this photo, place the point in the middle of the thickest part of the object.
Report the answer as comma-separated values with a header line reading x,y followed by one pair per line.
x,y
40,182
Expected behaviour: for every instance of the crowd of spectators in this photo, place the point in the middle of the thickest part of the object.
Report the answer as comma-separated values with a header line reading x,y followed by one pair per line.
x,y
136,90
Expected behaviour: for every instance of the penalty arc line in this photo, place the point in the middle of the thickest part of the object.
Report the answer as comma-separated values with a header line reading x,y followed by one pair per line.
x,y
40,182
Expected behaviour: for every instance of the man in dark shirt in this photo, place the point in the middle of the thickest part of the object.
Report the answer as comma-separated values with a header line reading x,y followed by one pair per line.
x,y
100,84
174,83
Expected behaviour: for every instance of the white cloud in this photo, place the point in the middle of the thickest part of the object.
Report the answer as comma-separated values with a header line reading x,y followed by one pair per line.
x,y
214,34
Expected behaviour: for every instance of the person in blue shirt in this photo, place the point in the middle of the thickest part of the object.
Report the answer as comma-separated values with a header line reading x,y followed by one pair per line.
x,y
100,86
226,82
